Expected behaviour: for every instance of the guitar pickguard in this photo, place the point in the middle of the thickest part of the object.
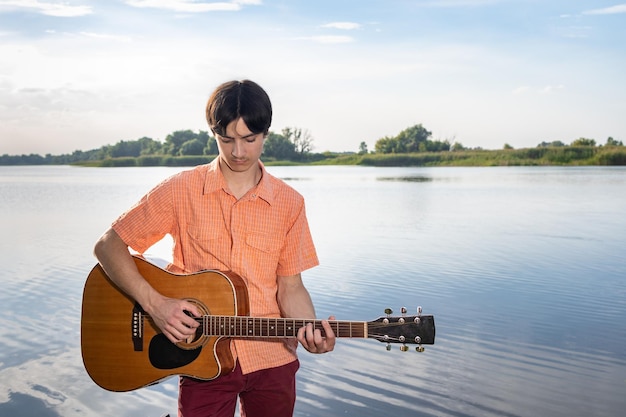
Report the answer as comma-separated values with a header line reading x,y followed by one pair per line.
x,y
163,354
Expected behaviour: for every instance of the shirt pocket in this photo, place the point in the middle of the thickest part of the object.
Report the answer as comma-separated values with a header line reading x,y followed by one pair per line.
x,y
202,234
207,246
263,242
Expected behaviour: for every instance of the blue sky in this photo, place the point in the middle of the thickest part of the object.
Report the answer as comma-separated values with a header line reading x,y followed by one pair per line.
x,y
79,74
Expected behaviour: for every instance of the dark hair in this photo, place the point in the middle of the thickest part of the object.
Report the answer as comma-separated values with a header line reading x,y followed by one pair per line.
x,y
235,99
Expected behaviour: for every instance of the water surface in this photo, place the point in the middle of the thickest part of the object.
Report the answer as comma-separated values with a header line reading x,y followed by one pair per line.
x,y
523,269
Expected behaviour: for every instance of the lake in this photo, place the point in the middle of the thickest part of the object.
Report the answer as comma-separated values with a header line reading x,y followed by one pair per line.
x,y
523,268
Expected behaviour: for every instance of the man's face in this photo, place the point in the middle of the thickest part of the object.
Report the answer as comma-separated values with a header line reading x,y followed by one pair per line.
x,y
239,148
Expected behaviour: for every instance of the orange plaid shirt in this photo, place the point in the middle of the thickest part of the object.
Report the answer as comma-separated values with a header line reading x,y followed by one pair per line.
x,y
263,235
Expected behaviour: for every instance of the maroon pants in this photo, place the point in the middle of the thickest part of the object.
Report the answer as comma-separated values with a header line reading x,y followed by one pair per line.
x,y
266,393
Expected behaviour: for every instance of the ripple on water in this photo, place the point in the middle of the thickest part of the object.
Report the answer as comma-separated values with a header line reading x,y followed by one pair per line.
x,y
41,312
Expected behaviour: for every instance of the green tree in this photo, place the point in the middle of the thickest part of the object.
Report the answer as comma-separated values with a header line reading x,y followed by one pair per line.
x,y
457,146
434,146
612,142
412,139
192,147
553,144
409,139
175,140
125,148
385,145
211,146
363,148
149,146
584,142
278,146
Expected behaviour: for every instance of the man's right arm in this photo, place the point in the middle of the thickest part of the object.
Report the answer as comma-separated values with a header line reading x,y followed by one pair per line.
x,y
167,313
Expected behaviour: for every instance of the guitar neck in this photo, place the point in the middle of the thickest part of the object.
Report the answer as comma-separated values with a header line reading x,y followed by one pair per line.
x,y
254,327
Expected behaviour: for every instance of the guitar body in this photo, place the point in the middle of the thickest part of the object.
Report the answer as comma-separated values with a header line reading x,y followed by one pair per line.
x,y
122,349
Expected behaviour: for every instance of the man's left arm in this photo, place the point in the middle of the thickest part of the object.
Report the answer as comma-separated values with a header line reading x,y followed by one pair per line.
x,y
295,301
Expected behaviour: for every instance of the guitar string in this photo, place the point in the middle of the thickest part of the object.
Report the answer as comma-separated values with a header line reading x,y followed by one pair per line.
x,y
258,324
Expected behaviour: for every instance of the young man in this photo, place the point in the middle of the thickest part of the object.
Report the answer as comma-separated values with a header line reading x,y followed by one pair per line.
x,y
230,214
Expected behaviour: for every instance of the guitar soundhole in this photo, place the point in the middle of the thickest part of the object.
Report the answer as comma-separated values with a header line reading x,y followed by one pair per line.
x,y
198,339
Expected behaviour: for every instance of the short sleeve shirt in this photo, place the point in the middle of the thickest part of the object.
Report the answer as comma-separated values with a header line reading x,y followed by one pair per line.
x,y
263,235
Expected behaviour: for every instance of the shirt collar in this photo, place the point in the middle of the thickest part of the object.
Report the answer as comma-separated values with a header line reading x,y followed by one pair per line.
x,y
215,181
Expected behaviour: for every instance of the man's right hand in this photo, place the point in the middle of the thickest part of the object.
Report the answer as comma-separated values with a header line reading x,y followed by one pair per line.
x,y
170,315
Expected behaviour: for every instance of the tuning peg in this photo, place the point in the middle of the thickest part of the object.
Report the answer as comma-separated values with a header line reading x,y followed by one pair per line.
x,y
419,310
388,347
418,340
404,348
388,312
403,310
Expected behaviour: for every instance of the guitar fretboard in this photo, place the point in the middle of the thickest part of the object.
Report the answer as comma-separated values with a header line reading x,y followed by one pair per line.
x,y
240,326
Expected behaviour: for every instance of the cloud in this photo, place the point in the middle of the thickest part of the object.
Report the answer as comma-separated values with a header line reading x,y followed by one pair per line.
x,y
550,89
46,8
191,6
58,382
342,25
619,8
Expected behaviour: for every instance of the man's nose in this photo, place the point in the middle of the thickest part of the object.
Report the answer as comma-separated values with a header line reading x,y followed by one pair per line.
x,y
238,149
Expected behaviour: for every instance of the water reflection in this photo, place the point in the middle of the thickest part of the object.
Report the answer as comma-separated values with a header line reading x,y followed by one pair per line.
x,y
417,178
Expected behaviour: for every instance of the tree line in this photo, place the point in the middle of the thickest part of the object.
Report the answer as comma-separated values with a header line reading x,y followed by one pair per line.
x,y
417,139
291,144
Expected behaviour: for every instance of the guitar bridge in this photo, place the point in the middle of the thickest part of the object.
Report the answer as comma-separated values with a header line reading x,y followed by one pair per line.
x,y
137,327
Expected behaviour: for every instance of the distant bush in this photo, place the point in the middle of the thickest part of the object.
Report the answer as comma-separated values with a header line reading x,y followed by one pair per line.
x,y
118,162
568,154
184,161
149,161
613,157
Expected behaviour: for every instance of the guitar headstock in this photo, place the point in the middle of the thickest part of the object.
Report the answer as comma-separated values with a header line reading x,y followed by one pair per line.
x,y
418,329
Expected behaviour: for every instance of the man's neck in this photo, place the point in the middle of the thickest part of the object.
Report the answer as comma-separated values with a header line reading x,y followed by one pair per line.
x,y
239,183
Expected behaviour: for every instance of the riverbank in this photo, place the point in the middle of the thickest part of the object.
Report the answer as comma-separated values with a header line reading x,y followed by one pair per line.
x,y
545,156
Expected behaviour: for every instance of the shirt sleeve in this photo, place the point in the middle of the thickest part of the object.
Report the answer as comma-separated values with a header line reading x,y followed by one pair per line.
x,y
149,220
299,251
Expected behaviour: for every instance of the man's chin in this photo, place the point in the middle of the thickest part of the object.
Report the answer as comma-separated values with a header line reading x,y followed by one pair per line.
x,y
238,166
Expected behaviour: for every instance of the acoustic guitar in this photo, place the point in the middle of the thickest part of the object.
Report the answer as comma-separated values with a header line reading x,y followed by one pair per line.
x,y
123,350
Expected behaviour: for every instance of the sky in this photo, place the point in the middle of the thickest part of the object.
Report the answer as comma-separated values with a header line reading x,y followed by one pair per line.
x,y
80,74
